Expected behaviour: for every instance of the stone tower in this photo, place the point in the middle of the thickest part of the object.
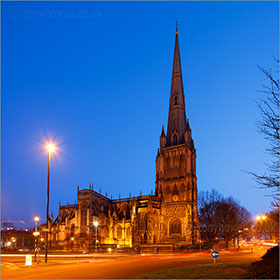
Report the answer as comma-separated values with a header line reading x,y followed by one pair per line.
x,y
176,166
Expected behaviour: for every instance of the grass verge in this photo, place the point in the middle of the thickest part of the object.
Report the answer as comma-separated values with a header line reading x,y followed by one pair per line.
x,y
207,271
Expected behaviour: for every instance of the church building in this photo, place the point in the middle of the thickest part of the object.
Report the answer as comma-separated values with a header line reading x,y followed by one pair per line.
x,y
169,216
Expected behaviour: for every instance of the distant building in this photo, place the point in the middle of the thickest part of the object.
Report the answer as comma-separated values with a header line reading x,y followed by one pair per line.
x,y
168,216
14,239
7,226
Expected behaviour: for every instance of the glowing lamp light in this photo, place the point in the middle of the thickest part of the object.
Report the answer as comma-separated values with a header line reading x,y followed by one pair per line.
x,y
263,217
36,219
72,238
42,239
9,243
51,148
36,233
95,223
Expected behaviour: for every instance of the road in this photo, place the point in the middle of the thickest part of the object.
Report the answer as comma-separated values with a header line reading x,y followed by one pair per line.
x,y
114,267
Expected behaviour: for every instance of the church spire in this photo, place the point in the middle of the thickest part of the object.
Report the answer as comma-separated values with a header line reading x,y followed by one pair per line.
x,y
177,112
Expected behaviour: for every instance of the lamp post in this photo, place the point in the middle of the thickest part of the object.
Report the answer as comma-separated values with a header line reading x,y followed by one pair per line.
x,y
50,148
36,251
36,234
96,225
72,243
36,219
13,242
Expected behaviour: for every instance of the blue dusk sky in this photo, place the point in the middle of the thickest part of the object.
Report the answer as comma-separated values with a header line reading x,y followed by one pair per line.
x,y
95,78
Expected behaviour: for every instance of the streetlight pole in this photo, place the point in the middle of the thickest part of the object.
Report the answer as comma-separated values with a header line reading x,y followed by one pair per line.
x,y
36,234
36,219
96,238
50,148
96,225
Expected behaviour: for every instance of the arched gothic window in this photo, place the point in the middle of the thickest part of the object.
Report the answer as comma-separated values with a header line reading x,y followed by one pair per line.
x,y
175,140
143,221
175,227
119,232
83,218
145,238
175,100
72,230
175,190
168,190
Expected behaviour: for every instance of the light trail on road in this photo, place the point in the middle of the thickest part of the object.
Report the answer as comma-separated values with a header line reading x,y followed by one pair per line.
x,y
116,268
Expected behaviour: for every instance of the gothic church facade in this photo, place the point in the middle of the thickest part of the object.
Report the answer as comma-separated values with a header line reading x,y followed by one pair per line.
x,y
169,216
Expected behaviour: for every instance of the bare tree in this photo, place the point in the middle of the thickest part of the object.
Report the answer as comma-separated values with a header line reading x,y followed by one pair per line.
x,y
233,220
221,217
208,203
268,126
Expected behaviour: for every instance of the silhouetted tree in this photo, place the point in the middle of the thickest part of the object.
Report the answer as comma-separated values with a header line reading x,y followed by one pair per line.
x,y
233,219
268,126
208,204
221,217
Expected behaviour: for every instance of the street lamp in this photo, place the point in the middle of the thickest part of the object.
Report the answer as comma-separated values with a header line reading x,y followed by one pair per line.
x,y
13,241
72,243
36,234
51,149
36,219
96,225
263,217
